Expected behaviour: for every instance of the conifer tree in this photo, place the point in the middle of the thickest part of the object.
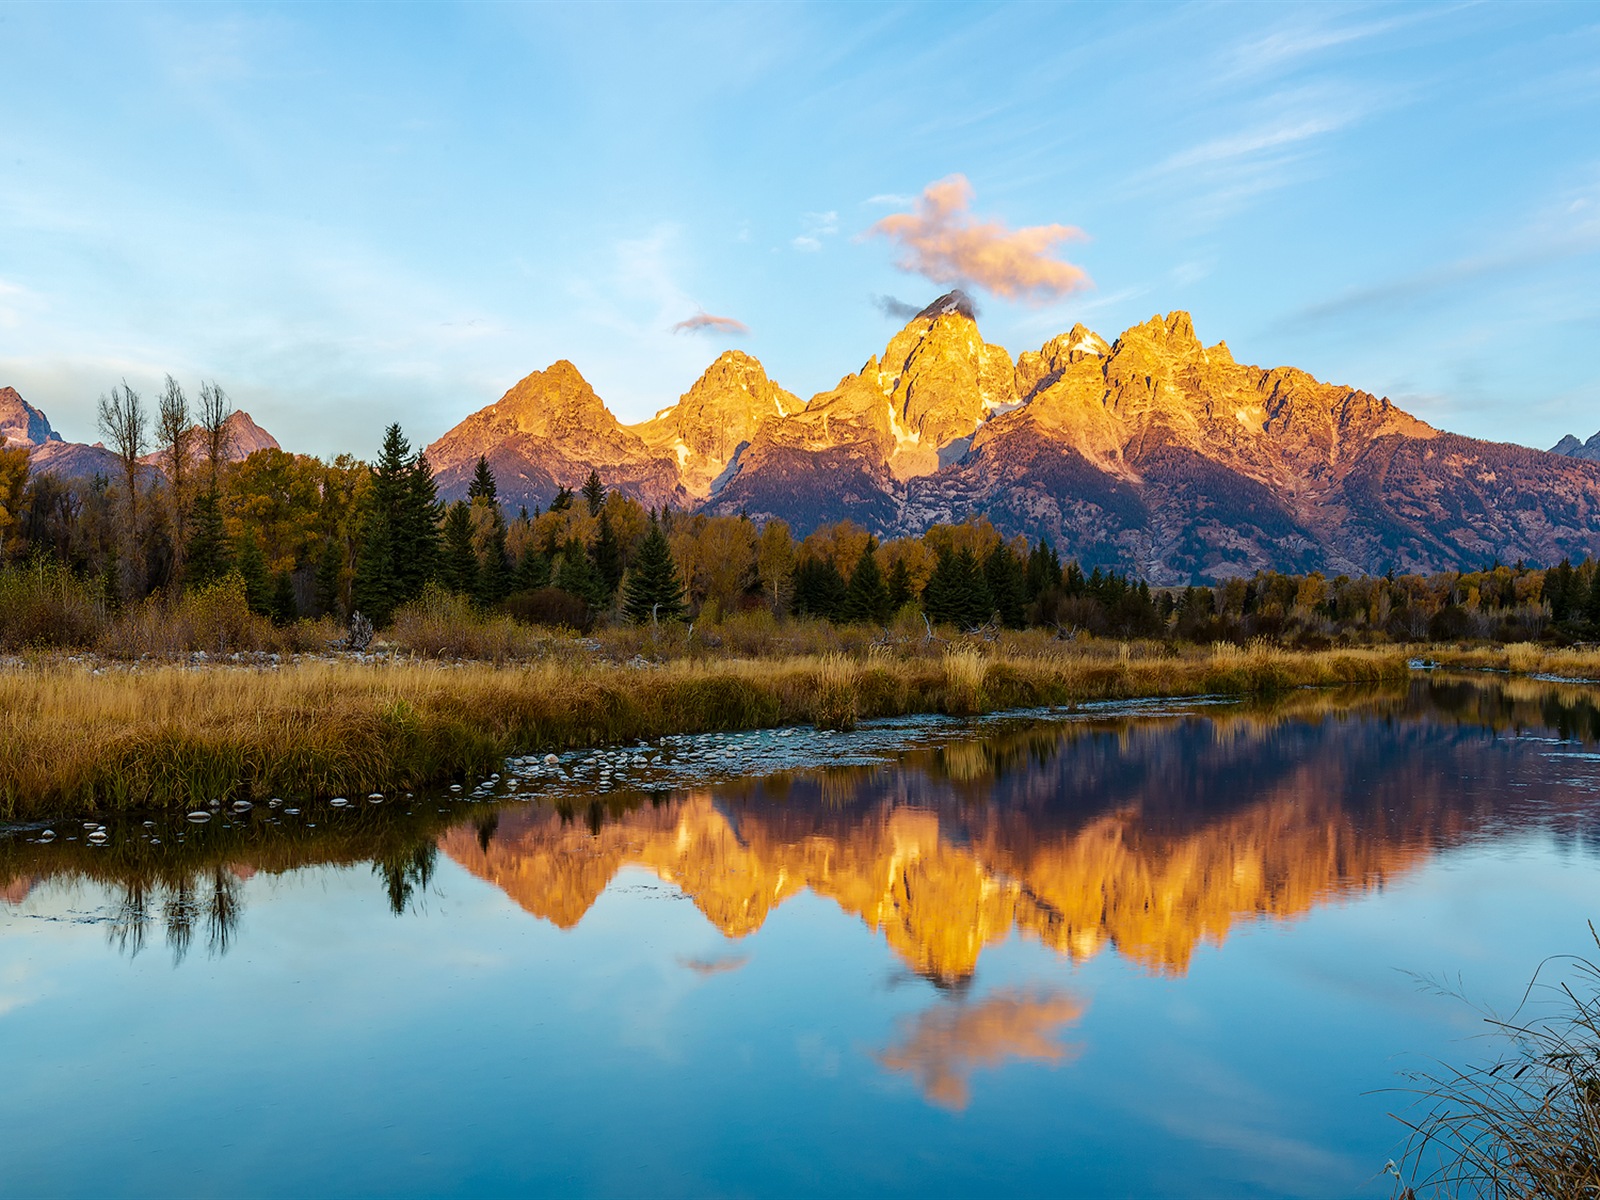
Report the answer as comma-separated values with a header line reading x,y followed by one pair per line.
x,y
207,558
417,548
563,500
607,555
399,550
577,577
1044,570
956,593
458,570
281,606
1592,610
819,588
901,589
494,570
533,570
1005,578
866,598
330,572
482,486
594,492
653,588
252,567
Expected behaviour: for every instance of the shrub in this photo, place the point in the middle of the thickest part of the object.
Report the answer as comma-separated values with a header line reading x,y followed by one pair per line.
x,y
44,605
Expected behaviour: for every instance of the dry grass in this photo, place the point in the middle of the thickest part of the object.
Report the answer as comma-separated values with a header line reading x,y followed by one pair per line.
x,y
1526,1123
168,736
1527,658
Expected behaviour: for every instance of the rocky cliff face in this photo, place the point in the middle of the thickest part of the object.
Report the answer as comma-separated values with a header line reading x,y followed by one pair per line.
x,y
547,433
243,438
1154,453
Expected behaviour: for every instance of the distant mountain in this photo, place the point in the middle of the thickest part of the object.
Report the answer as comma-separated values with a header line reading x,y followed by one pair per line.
x,y
1153,453
243,438
1571,447
22,423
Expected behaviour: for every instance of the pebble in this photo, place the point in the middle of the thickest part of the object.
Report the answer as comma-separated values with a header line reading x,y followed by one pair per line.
x,y
375,798
199,817
242,806
99,837
49,835
550,760
338,802
291,812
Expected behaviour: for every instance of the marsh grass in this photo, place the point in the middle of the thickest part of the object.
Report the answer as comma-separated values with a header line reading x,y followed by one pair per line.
x,y
1526,1122
170,736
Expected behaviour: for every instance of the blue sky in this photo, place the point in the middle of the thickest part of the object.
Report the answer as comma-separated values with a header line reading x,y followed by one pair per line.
x,y
354,214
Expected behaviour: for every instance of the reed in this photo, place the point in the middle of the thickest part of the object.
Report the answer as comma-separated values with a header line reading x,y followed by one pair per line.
x,y
1527,1121
79,737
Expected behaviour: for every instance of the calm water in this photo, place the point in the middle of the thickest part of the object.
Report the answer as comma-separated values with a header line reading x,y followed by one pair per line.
x,y
1163,951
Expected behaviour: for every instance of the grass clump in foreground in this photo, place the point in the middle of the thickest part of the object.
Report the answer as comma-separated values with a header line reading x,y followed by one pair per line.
x,y
1526,1123
169,736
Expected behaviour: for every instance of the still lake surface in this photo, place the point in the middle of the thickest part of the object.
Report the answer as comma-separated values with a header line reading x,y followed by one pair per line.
x,y
1151,950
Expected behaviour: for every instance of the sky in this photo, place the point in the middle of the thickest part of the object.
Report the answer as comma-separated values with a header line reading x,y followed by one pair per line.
x,y
350,214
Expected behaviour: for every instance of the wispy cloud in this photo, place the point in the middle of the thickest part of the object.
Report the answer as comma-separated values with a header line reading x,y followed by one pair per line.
x,y
944,242
895,308
814,227
704,322
891,200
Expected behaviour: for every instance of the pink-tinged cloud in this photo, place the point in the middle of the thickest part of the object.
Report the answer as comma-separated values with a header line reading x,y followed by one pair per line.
x,y
943,241
704,322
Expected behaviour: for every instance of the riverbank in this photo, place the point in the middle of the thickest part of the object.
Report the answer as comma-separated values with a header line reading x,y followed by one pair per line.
x,y
80,736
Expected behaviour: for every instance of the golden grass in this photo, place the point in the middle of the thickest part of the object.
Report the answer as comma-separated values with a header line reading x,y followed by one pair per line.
x,y
169,736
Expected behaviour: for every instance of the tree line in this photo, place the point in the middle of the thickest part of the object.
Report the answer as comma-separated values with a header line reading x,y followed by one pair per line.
x,y
310,538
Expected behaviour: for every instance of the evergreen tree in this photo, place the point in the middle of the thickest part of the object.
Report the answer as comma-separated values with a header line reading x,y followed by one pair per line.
x,y
1006,580
417,546
1560,586
653,586
252,566
577,577
819,588
594,492
956,593
494,572
866,598
206,559
373,591
482,485
281,607
330,568
607,555
1073,583
901,589
1592,610
533,570
563,500
1044,570
459,569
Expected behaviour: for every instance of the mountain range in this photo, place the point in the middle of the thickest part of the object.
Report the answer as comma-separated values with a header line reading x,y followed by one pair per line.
x,y
1151,452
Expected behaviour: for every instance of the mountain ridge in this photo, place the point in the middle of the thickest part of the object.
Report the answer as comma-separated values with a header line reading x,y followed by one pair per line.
x,y
1151,452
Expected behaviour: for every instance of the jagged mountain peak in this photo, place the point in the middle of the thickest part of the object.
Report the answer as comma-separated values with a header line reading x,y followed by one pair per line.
x,y
21,422
1571,447
954,301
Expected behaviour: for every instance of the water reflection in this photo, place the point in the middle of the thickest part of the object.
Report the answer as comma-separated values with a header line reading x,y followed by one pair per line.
x,y
1150,835
942,1046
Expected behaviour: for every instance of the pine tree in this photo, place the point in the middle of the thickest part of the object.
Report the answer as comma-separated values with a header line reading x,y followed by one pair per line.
x,y
533,570
482,485
373,591
956,593
330,571
902,590
1044,570
417,546
594,492
653,588
607,556
819,588
1073,583
282,607
1592,609
206,559
494,570
563,500
866,598
458,570
577,577
252,566
1006,580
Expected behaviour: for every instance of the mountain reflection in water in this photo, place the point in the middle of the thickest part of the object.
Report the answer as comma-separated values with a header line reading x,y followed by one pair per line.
x,y
1151,835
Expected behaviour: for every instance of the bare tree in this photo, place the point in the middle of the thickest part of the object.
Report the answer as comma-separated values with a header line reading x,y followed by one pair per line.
x,y
216,434
122,424
177,434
